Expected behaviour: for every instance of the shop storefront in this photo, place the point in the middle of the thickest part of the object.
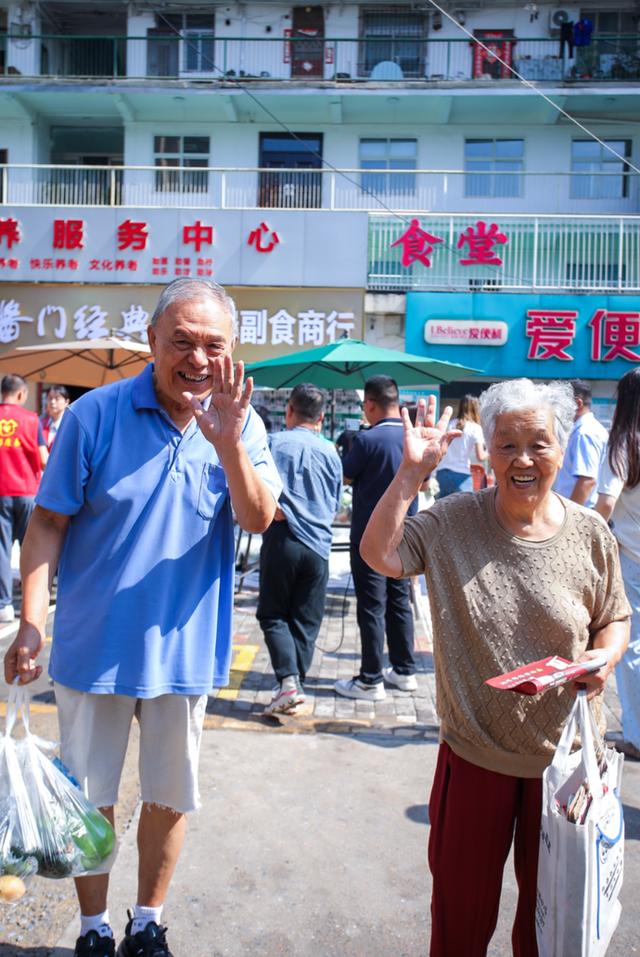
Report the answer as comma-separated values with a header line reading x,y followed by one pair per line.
x,y
271,321
297,277
555,336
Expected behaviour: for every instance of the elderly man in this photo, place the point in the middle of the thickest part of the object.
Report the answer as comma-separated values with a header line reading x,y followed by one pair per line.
x,y
23,453
136,509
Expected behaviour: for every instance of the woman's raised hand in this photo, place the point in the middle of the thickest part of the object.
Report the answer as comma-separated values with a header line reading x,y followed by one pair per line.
x,y
427,441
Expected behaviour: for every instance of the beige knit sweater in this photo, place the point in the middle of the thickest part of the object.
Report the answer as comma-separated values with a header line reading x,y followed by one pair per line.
x,y
499,602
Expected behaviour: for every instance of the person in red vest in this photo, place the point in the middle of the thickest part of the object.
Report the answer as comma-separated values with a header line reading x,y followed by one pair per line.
x,y
23,454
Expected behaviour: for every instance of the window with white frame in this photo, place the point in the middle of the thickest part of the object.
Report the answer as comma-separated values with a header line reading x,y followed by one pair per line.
x,y
493,168
391,154
598,170
177,159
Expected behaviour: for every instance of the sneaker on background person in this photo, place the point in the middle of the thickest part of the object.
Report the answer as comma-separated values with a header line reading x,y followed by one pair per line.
x,y
402,682
7,614
355,688
287,696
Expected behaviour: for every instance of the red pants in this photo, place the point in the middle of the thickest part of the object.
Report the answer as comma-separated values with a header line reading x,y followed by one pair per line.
x,y
473,816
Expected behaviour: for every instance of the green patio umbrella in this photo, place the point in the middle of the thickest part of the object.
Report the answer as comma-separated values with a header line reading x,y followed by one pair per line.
x,y
348,363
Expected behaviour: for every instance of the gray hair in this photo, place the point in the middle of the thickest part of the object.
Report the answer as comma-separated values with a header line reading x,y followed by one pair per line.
x,y
186,289
523,394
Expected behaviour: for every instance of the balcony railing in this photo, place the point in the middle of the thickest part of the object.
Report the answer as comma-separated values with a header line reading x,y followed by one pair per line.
x,y
371,190
582,253
388,59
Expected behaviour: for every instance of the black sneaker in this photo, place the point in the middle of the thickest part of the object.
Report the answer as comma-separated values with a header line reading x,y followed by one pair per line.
x,y
93,945
150,942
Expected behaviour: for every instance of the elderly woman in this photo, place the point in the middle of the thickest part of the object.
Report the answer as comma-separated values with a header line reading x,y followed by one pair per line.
x,y
515,573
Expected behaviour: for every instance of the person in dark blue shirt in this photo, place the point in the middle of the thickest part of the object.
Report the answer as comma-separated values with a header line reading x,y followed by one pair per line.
x,y
382,603
294,559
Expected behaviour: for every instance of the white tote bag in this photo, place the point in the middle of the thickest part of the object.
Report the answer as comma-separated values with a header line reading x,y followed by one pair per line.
x,y
581,843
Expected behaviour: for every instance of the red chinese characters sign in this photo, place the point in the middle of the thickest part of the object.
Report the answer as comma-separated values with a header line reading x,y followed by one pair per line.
x,y
479,239
541,335
70,237
551,331
615,334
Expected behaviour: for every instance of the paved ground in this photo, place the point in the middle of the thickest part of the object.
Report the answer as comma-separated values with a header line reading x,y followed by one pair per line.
x,y
337,656
311,840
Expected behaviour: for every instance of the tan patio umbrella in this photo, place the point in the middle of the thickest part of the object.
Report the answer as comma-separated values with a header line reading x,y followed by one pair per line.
x,y
88,362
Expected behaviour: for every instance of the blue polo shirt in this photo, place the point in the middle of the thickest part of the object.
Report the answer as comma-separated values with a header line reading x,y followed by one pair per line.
x,y
145,580
311,472
371,464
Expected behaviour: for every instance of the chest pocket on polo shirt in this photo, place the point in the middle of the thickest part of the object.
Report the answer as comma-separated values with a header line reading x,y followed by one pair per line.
x,y
213,491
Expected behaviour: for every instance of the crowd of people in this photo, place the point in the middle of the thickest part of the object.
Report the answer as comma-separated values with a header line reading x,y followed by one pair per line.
x,y
148,475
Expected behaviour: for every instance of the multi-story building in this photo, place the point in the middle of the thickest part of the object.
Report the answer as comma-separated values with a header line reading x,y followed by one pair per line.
x,y
362,167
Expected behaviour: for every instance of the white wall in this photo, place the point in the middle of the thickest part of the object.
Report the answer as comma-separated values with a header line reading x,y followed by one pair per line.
x,y
20,138
137,25
547,150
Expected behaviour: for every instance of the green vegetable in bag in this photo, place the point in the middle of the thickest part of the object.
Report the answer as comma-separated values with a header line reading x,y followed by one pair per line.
x,y
96,840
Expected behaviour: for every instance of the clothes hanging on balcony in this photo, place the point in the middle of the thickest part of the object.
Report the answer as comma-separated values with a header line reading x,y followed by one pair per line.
x,y
566,38
582,31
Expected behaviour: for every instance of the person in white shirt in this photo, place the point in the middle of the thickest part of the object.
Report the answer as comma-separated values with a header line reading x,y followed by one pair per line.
x,y
577,479
454,470
619,503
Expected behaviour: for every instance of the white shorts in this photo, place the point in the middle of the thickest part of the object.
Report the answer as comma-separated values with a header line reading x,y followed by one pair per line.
x,y
94,733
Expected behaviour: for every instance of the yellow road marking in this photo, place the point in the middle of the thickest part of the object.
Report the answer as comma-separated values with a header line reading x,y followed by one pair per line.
x,y
243,657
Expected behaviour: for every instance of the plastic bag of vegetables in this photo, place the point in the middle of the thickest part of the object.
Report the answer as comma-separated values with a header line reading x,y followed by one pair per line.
x,y
18,833
48,820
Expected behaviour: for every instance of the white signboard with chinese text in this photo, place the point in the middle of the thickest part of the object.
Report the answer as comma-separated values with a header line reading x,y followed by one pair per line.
x,y
271,321
132,245
456,332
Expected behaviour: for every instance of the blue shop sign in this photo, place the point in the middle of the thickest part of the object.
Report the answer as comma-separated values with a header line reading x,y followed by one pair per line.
x,y
540,336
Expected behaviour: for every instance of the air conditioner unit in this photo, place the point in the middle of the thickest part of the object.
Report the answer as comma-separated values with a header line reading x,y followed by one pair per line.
x,y
557,18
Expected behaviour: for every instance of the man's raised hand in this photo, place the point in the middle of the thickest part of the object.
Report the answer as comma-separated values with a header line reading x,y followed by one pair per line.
x,y
223,421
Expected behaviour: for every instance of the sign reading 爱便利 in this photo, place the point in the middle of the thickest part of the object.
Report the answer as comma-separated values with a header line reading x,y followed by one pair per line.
x,y
544,336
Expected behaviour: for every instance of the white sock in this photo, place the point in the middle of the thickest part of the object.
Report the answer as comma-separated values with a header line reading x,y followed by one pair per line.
x,y
143,916
290,683
98,922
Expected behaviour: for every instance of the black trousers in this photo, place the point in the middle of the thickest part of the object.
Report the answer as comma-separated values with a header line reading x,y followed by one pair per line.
x,y
293,586
15,512
382,604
